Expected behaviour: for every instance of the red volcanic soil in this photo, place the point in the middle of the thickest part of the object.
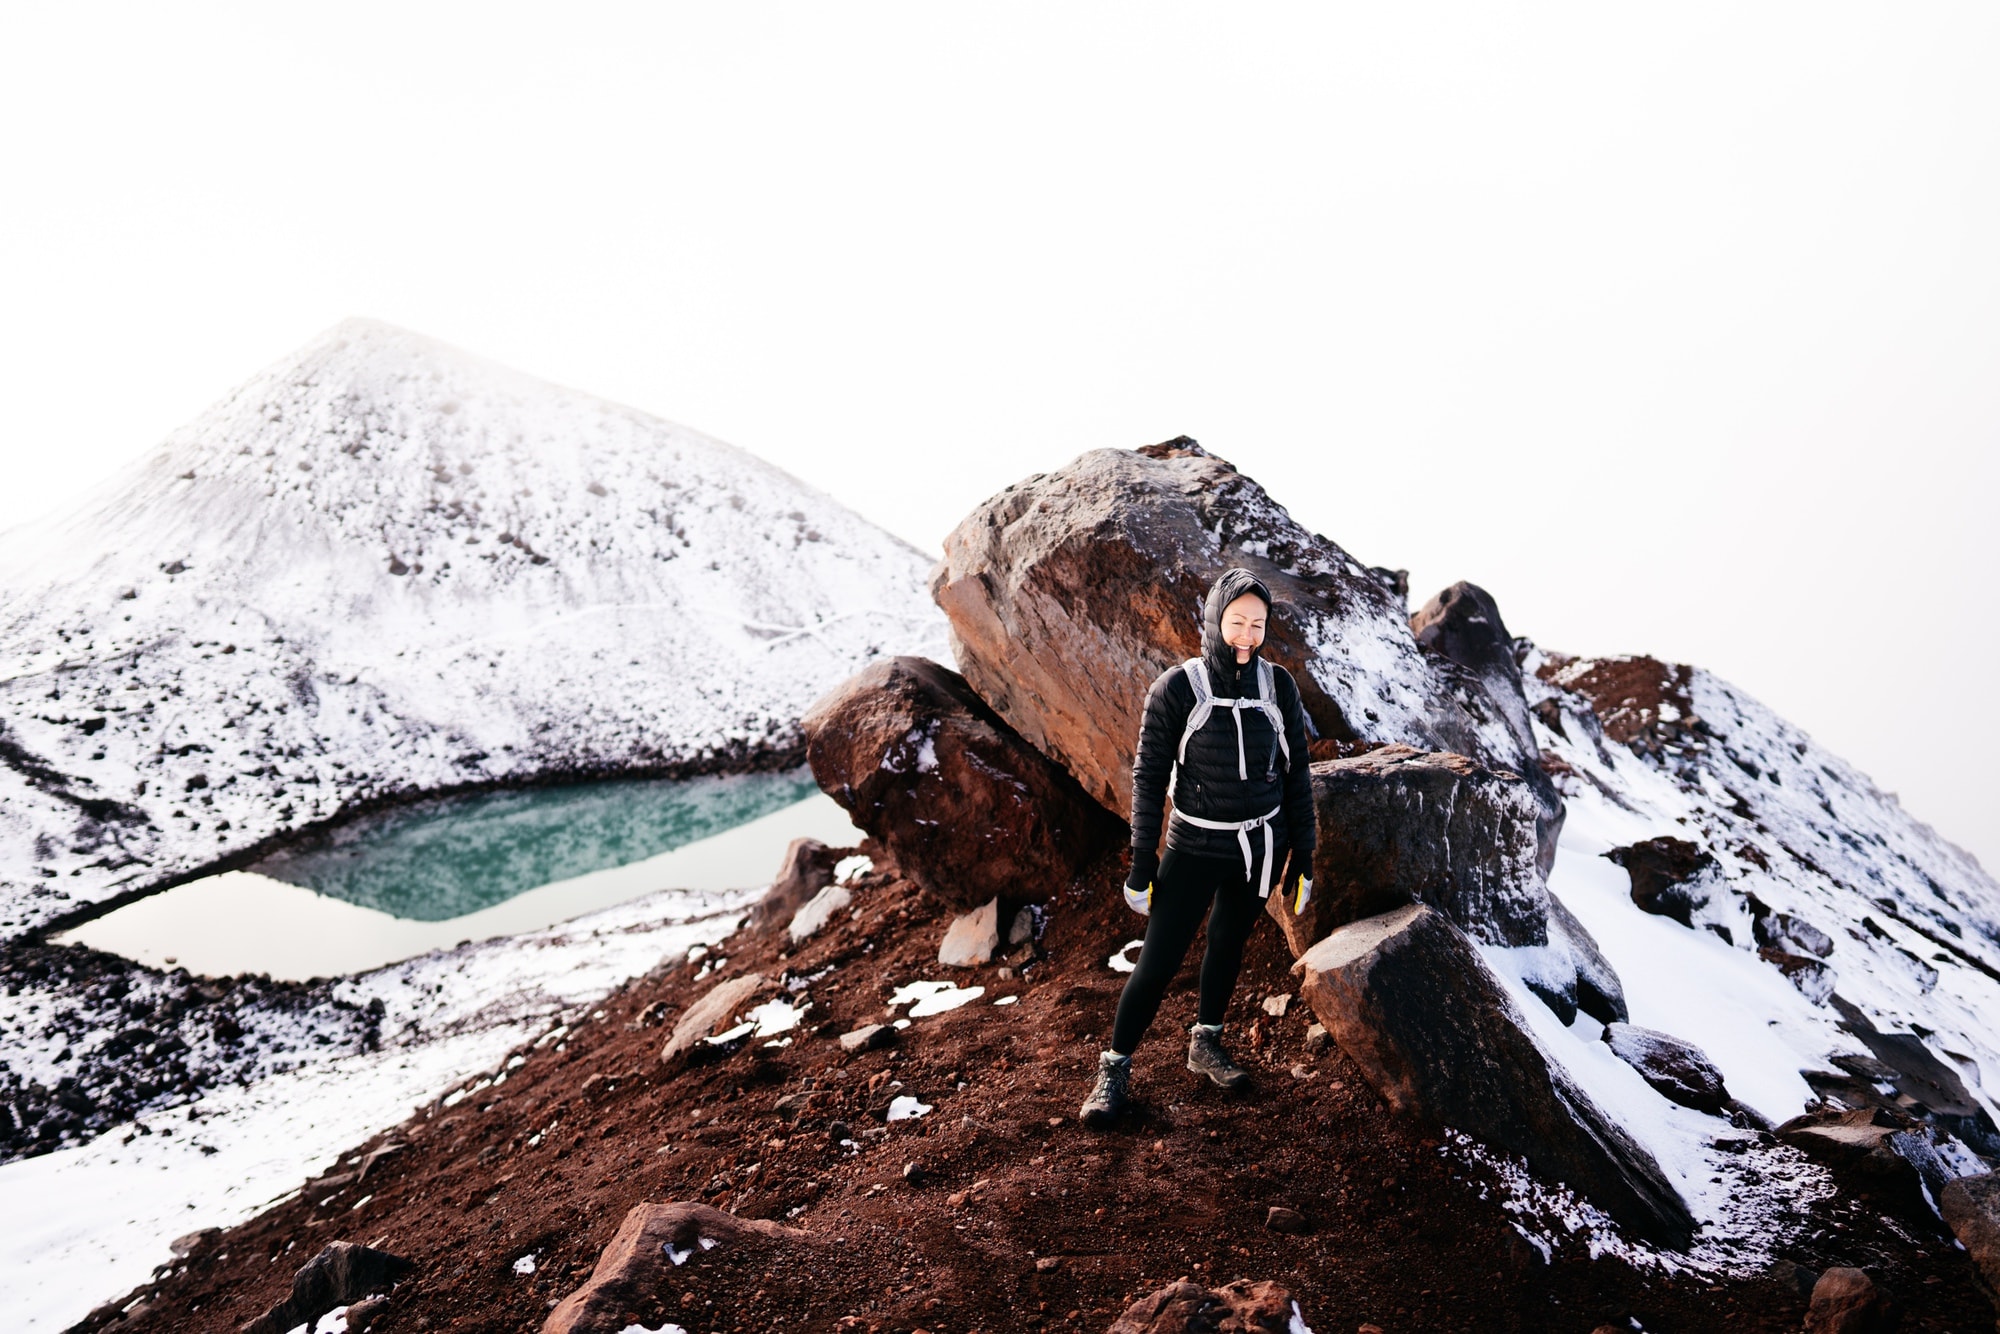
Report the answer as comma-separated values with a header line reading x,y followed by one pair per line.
x,y
996,1211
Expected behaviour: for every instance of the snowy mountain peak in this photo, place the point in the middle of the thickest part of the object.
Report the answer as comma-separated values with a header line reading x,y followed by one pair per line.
x,y
383,565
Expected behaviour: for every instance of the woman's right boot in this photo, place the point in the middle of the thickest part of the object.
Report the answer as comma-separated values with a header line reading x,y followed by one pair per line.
x,y
1107,1096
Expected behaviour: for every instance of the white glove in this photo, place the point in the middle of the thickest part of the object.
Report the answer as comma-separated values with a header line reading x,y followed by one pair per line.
x,y
1304,896
1140,900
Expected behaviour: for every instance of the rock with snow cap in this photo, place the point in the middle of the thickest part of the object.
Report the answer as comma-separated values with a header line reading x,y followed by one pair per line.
x,y
1398,825
969,811
1413,1005
1242,1307
1680,1071
1069,592
340,1273
637,1270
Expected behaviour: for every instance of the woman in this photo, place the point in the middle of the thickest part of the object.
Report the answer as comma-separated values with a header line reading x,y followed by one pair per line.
x,y
1224,735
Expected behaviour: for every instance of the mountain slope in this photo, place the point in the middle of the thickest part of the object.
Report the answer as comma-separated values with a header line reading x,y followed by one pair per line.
x,y
383,567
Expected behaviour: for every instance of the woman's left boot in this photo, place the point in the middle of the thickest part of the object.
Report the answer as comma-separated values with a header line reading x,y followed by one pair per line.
x,y
1206,1057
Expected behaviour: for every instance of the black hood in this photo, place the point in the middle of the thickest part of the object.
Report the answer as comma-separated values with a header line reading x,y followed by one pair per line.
x,y
1230,585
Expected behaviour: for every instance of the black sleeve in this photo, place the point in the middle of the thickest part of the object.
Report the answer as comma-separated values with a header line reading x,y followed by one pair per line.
x,y
1300,821
1168,704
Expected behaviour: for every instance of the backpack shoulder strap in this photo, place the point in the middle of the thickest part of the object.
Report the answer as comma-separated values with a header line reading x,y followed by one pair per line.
x,y
1204,702
1267,696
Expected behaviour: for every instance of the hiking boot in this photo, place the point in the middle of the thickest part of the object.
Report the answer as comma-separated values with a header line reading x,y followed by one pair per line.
x,y
1107,1096
1206,1057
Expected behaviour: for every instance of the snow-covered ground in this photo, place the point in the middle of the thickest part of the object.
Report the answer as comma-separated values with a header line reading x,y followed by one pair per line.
x,y
92,1222
1914,921
386,567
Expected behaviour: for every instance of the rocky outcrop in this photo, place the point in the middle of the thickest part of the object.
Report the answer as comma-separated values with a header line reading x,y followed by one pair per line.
x,y
1241,1307
341,1273
1398,825
1462,626
717,1009
1971,1209
1871,1151
969,810
1068,593
1413,1005
1670,876
1680,1071
635,1272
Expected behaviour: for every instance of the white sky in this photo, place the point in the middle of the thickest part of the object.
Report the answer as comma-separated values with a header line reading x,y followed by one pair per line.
x,y
1675,330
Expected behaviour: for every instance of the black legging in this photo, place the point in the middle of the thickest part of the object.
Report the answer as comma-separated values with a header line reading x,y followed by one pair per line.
x,y
1182,891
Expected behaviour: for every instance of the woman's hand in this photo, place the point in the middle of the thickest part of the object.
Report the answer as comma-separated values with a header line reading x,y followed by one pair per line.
x,y
1139,884
1296,885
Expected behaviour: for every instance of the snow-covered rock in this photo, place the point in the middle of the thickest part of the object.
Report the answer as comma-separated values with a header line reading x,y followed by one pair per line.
x,y
383,567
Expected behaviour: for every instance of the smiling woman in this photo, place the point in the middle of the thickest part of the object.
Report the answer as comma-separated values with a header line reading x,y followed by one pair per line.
x,y
399,883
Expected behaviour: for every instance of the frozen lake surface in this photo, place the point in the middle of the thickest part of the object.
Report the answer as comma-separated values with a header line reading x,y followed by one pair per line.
x,y
399,883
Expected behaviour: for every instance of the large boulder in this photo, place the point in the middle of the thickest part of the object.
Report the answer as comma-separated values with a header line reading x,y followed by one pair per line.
x,y
1068,593
1462,626
968,810
635,1272
340,1273
1413,1004
1398,825
1241,1307
1971,1208
717,1009
1849,1301
1678,1070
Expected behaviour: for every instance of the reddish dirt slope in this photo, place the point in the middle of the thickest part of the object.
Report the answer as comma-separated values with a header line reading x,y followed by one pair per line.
x,y
1015,1217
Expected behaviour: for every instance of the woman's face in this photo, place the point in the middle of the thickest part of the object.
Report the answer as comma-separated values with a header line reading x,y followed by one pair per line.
x,y
1243,625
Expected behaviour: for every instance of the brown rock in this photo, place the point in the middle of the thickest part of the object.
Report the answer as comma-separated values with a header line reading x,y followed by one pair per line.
x,y
1280,1219
1068,593
969,810
1847,1301
1862,1149
714,1011
1242,1307
340,1274
1413,1005
805,871
1971,1208
1670,876
636,1270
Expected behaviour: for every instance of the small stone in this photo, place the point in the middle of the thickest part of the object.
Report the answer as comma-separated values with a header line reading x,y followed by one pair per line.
x,y
956,1199
1280,1219
972,939
1847,1301
868,1037
1047,1264
1317,1039
913,1172
1022,929
1275,1006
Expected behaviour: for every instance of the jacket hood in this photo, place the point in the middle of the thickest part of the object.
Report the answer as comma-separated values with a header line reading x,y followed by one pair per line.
x,y
1218,656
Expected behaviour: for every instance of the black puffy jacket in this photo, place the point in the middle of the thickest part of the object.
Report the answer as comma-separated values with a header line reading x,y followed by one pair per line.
x,y
1209,784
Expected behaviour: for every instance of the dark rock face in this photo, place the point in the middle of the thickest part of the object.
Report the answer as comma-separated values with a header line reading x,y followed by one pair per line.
x,y
1412,1003
1667,875
1462,626
634,1272
968,810
1680,1070
1925,1085
1847,1301
1814,979
341,1273
1068,593
1398,826
1868,1150
1242,1307
1971,1208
